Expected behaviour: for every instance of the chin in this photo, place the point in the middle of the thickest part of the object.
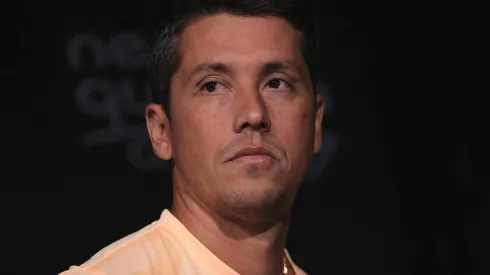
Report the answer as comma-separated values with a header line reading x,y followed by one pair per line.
x,y
253,196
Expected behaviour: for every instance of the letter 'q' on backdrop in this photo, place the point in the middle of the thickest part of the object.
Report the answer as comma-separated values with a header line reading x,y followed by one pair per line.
x,y
119,99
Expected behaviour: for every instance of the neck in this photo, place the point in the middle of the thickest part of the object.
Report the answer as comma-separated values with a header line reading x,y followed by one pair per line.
x,y
245,248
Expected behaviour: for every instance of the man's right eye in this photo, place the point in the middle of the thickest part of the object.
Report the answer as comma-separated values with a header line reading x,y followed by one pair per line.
x,y
210,87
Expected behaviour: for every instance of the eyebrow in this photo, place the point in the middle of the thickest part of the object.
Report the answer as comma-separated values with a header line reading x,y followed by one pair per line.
x,y
275,66
267,68
211,66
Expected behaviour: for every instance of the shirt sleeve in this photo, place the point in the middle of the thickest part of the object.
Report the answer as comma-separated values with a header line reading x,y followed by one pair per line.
x,y
75,270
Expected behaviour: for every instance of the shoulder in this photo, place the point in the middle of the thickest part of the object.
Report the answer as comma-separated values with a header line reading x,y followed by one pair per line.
x,y
134,254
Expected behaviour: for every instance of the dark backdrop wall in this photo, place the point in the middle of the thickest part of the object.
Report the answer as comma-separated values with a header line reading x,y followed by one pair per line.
x,y
397,189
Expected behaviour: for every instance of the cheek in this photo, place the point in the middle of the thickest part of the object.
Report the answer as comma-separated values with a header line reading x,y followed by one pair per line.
x,y
295,129
196,134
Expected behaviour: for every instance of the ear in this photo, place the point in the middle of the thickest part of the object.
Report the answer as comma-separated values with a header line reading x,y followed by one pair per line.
x,y
158,127
320,106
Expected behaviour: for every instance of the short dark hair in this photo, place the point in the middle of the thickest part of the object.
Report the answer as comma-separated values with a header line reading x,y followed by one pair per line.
x,y
164,59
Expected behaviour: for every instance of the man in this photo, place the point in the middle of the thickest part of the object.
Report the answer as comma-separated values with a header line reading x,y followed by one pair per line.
x,y
237,113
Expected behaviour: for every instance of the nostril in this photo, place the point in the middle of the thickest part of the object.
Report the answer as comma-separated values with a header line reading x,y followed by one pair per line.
x,y
259,127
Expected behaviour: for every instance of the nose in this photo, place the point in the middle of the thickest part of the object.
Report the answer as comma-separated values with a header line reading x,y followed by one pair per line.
x,y
251,113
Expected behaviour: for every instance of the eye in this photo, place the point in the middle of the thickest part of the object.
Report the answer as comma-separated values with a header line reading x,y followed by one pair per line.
x,y
276,84
211,87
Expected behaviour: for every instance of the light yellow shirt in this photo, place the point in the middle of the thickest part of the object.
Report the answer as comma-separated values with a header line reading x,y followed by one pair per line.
x,y
164,247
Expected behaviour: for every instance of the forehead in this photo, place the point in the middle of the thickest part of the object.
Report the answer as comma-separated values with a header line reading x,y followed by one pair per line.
x,y
239,40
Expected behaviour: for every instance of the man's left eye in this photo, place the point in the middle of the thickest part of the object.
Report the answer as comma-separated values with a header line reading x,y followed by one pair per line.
x,y
276,84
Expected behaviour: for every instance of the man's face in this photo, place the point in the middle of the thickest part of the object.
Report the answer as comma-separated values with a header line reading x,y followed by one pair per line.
x,y
242,84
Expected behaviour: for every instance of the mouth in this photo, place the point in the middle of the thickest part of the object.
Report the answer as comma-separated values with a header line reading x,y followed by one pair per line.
x,y
257,155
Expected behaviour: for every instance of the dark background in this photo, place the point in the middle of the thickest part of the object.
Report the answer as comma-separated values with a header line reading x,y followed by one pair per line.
x,y
403,191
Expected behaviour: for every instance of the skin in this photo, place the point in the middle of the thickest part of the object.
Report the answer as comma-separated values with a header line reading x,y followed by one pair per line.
x,y
242,82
